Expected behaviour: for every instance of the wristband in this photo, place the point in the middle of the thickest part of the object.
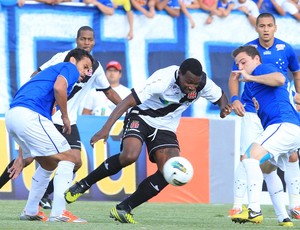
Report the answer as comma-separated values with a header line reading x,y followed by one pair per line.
x,y
234,98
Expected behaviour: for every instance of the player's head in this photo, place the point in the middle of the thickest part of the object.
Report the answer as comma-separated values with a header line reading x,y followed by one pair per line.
x,y
266,27
246,58
189,75
113,73
82,59
85,38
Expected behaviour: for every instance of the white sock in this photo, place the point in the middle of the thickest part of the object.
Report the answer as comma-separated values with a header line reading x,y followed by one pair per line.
x,y
255,181
39,184
292,180
240,186
62,181
275,189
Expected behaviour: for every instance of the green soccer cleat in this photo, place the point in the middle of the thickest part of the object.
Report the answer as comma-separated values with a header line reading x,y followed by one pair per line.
x,y
248,216
122,216
286,223
75,191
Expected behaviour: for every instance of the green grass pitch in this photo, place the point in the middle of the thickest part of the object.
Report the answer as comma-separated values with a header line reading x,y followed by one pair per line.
x,y
150,216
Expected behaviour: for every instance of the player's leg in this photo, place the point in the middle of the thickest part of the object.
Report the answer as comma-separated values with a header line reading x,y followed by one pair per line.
x,y
154,184
255,181
292,180
275,188
250,129
75,143
112,165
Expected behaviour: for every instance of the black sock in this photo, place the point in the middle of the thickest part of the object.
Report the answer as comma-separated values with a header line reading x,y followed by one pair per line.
x,y
147,189
109,167
5,175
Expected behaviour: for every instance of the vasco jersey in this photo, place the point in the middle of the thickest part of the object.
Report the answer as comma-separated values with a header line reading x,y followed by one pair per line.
x,y
161,102
272,103
281,54
97,80
38,93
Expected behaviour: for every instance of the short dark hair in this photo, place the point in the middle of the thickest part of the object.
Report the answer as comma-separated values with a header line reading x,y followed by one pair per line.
x,y
265,15
192,65
249,50
84,28
78,54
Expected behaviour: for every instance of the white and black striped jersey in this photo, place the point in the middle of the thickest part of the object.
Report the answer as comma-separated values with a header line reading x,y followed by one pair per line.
x,y
97,80
161,102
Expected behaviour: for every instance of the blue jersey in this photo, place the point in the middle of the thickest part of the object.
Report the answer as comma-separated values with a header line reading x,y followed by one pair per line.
x,y
38,93
273,103
281,54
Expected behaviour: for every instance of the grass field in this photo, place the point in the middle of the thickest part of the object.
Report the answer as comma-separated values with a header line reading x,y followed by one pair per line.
x,y
150,216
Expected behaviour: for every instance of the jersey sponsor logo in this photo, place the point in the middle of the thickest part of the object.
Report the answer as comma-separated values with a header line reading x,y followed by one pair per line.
x,y
268,52
280,47
192,95
134,124
165,102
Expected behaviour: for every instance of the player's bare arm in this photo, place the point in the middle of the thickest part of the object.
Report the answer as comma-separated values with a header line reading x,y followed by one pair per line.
x,y
233,85
121,108
60,93
271,79
113,96
225,108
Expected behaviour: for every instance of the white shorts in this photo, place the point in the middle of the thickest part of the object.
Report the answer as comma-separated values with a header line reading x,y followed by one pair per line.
x,y
36,134
280,140
251,128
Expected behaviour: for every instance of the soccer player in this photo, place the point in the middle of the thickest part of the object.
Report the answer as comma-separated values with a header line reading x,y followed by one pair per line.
x,y
282,55
267,87
156,108
97,79
37,135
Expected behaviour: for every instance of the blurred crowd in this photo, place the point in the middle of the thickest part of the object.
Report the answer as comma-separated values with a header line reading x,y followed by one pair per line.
x,y
214,8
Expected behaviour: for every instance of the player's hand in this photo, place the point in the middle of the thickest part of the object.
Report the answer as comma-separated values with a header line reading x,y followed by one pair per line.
x,y
238,108
67,125
100,135
17,167
225,111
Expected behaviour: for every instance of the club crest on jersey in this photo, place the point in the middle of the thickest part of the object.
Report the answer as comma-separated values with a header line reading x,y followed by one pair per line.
x,y
192,95
280,46
134,124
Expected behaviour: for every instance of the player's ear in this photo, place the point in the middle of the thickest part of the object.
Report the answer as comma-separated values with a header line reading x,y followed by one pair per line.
x,y
73,60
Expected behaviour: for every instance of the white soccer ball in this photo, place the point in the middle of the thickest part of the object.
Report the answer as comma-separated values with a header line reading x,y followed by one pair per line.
x,y
178,171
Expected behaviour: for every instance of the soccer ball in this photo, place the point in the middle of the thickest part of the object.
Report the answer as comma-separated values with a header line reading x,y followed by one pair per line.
x,y
178,171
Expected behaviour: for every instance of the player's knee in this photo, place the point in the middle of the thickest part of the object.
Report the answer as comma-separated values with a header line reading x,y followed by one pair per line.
x,y
127,158
28,161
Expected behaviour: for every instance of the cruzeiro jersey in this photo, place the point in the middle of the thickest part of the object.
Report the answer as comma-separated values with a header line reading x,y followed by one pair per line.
x,y
97,80
280,54
161,102
272,103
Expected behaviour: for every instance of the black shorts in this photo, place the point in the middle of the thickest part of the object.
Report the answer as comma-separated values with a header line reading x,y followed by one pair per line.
x,y
155,139
73,138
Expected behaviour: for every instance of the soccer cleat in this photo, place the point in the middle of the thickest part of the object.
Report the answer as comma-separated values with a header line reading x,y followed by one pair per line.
x,y
295,213
122,216
286,223
40,216
75,191
248,216
46,203
234,211
67,216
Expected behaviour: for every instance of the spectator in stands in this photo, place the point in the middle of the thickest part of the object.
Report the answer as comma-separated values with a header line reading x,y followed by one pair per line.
x,y
146,7
127,7
96,102
224,8
249,8
172,7
293,8
183,6
105,6
209,6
